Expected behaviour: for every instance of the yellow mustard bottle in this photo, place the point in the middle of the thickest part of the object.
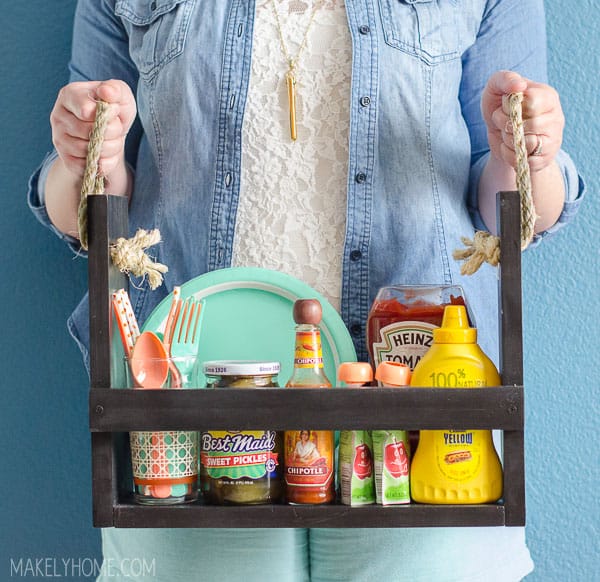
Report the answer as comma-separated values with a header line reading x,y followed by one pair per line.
x,y
455,466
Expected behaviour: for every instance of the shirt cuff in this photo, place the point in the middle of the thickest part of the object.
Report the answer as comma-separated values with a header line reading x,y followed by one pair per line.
x,y
574,194
36,203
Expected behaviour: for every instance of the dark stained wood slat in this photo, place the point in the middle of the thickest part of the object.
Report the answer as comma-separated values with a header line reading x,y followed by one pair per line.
x,y
107,220
511,348
344,408
324,516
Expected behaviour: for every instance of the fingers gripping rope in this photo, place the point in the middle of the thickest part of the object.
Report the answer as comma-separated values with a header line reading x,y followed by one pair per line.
x,y
485,247
128,255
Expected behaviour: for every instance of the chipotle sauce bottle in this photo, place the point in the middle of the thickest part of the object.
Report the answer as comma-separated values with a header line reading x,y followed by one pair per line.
x,y
309,464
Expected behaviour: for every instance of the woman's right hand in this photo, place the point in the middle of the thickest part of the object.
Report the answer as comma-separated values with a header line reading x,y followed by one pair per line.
x,y
72,120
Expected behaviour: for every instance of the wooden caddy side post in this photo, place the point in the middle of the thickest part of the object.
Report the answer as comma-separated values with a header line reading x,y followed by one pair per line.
x,y
511,350
107,220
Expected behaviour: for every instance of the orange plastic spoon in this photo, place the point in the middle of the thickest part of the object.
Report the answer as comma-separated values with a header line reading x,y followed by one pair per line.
x,y
149,362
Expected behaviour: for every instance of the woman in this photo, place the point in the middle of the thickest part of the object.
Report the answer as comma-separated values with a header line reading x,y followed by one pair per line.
x,y
401,143
306,451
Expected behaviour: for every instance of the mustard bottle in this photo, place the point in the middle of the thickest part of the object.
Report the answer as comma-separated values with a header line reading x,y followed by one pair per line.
x,y
455,466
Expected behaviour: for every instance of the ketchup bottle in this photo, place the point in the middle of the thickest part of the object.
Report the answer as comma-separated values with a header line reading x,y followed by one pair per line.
x,y
309,454
402,319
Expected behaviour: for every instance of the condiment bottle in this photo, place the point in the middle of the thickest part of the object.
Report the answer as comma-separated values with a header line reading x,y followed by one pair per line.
x,y
402,319
309,454
455,466
391,448
356,447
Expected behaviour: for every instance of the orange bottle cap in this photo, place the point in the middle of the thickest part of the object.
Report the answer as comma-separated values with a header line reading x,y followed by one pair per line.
x,y
393,374
355,373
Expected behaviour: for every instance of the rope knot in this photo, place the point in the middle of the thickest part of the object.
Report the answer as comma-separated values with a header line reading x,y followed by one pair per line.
x,y
129,257
484,247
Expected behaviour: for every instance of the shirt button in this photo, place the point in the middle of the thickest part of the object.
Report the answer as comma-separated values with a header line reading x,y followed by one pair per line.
x,y
356,329
364,29
361,178
365,101
153,6
355,255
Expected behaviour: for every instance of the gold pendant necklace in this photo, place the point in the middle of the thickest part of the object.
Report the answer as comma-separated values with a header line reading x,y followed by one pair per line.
x,y
290,76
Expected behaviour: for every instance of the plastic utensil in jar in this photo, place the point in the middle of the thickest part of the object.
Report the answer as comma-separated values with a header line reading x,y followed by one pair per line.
x,y
149,362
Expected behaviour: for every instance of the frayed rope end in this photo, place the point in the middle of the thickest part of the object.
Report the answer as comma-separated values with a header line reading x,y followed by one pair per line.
x,y
484,247
129,257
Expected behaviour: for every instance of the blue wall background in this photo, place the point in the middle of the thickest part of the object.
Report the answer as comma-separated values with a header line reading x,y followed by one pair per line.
x,y
45,488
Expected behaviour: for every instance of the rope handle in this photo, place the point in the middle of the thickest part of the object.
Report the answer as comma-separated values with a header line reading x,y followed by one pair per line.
x,y
128,255
485,247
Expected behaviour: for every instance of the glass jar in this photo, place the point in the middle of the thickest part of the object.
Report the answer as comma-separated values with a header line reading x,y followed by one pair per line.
x,y
241,467
164,463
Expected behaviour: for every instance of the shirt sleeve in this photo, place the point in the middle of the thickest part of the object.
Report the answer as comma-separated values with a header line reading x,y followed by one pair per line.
x,y
100,51
512,36
36,202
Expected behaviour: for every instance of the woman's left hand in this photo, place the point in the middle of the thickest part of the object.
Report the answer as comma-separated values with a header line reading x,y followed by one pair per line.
x,y
543,119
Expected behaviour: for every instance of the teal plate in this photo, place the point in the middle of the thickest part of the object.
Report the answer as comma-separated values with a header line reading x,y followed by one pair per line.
x,y
247,315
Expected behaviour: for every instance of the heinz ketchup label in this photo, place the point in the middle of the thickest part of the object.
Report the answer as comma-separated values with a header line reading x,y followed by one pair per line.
x,y
404,342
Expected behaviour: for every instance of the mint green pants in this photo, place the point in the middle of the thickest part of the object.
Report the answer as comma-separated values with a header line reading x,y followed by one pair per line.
x,y
318,555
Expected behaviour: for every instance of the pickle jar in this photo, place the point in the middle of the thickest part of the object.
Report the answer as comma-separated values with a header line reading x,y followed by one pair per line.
x,y
241,467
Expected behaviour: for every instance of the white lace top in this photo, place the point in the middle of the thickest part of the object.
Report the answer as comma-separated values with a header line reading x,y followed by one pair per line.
x,y
291,189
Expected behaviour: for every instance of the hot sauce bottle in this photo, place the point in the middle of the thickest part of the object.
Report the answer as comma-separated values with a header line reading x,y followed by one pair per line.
x,y
309,462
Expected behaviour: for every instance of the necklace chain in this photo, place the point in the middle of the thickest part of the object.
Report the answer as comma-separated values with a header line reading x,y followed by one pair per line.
x,y
292,61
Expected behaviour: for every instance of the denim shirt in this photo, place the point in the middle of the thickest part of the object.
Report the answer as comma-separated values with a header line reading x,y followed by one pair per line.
x,y
417,143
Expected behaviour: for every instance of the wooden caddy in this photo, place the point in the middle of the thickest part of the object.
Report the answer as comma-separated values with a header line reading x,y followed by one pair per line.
x,y
114,412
